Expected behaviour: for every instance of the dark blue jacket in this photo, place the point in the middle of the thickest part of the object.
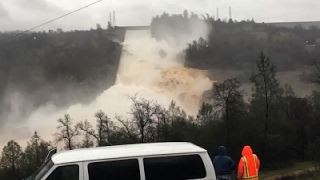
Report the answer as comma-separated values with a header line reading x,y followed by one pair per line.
x,y
222,163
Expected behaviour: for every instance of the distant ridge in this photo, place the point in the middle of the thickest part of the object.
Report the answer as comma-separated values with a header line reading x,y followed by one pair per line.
x,y
305,24
134,27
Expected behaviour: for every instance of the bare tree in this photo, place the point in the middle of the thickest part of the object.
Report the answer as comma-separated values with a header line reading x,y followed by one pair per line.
x,y
224,93
104,129
127,128
205,113
174,112
89,133
67,132
145,115
227,97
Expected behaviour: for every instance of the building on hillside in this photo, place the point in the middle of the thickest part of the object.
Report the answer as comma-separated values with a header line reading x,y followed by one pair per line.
x,y
309,48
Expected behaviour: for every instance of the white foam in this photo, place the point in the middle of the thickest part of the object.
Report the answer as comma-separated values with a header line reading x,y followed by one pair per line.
x,y
140,72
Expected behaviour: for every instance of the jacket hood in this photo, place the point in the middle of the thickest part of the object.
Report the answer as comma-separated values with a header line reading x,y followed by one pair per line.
x,y
246,151
222,150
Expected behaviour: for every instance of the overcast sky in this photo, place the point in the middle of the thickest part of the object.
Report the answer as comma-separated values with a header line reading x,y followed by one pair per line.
x,y
24,14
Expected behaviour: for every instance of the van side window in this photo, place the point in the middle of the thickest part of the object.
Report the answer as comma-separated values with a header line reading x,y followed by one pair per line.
x,y
69,172
114,170
174,167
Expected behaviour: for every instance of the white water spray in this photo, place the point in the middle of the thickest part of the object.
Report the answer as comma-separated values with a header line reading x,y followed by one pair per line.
x,y
142,71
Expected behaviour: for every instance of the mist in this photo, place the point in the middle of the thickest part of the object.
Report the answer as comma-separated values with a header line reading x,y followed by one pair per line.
x,y
142,71
23,113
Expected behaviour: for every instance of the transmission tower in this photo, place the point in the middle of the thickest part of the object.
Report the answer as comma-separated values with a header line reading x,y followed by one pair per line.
x,y
230,13
114,19
217,13
110,18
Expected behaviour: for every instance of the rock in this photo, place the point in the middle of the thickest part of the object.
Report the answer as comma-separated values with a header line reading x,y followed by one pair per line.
x,y
162,54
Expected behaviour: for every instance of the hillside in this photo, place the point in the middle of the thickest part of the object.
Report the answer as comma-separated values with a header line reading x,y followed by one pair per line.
x,y
305,24
57,67
231,48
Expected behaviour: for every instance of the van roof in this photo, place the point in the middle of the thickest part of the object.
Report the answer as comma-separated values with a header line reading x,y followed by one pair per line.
x,y
125,151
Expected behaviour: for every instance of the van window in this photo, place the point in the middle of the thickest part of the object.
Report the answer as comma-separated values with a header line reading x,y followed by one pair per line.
x,y
114,170
174,167
42,170
69,172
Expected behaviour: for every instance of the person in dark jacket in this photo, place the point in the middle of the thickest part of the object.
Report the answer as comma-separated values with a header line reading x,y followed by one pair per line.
x,y
223,165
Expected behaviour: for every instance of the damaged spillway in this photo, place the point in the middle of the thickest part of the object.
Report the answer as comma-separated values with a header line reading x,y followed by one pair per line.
x,y
154,65
148,68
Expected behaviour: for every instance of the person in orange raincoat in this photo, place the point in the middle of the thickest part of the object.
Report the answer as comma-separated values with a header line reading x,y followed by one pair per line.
x,y
249,164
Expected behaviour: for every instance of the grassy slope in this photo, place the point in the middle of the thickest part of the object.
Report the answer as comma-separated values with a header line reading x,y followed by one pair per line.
x,y
296,167
292,78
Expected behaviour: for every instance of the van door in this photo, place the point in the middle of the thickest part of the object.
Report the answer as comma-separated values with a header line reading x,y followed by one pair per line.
x,y
73,171
124,169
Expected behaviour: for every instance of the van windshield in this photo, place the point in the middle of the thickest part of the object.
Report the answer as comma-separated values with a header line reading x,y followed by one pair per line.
x,y
42,170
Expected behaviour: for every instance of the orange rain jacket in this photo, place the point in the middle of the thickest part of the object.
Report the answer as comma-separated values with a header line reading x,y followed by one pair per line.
x,y
249,164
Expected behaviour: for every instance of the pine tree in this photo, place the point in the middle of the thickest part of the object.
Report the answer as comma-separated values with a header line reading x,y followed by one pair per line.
x,y
266,92
11,158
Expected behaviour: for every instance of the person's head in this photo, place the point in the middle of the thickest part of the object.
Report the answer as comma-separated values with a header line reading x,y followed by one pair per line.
x,y
222,150
246,150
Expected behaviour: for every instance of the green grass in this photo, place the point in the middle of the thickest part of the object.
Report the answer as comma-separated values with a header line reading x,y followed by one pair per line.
x,y
295,167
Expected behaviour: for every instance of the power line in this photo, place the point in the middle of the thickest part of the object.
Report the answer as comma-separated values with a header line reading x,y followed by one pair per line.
x,y
51,20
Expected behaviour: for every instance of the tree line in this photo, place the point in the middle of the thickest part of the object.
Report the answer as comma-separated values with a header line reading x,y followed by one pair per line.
x,y
281,127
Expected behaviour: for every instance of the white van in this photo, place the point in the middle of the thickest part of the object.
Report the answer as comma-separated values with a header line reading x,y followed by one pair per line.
x,y
148,161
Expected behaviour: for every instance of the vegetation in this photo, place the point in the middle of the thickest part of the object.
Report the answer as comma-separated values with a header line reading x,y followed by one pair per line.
x,y
234,45
57,66
17,163
281,128
303,174
296,167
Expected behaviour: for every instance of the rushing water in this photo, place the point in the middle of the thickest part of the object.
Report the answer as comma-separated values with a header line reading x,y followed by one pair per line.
x,y
147,68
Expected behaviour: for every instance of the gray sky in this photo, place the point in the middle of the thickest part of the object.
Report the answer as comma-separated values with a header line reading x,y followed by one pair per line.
x,y
24,14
